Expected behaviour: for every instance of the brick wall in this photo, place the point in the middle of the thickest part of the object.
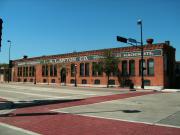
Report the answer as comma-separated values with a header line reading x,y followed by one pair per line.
x,y
158,79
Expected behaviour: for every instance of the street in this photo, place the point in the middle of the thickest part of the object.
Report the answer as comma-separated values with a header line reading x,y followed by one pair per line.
x,y
40,109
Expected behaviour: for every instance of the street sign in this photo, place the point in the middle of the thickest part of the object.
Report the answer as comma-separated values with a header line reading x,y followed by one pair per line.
x,y
131,40
121,39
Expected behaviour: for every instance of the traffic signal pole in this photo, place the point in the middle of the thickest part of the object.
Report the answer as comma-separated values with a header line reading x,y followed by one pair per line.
x,y
1,22
142,58
9,60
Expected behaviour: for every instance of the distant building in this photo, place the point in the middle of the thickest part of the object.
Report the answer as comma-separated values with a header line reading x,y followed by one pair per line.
x,y
159,62
3,72
177,72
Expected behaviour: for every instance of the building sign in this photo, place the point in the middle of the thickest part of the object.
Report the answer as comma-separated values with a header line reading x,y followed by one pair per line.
x,y
147,53
61,60
71,59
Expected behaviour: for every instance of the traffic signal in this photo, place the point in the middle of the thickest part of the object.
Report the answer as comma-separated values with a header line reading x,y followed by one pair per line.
x,y
1,22
122,39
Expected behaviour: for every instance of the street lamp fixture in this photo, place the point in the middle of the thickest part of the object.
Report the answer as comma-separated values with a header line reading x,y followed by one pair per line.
x,y
1,22
75,82
9,41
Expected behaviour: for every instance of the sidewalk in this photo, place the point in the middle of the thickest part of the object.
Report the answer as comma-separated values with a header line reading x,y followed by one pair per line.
x,y
43,119
78,87
171,90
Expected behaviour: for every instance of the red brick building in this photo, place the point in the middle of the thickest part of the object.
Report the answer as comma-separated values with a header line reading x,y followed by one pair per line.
x,y
159,61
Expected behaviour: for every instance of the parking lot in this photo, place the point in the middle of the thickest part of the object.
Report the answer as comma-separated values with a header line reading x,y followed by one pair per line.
x,y
68,110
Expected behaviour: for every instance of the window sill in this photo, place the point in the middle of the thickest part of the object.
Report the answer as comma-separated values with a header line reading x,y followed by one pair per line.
x,y
84,76
151,75
97,76
132,75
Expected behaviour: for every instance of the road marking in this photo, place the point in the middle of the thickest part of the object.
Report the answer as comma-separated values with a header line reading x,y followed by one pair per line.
x,y
57,91
26,93
19,129
132,121
65,97
9,99
50,97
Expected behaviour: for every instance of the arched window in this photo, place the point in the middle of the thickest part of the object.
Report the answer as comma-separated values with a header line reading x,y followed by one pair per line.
x,y
31,71
44,80
53,81
25,71
45,70
19,74
72,81
124,68
72,70
25,80
150,68
53,70
84,81
97,81
86,69
111,82
97,69
81,69
131,67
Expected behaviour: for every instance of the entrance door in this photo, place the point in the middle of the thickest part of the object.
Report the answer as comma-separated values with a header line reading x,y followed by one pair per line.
x,y
63,75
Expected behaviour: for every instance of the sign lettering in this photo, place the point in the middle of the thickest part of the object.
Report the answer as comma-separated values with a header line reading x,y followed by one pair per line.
x,y
147,53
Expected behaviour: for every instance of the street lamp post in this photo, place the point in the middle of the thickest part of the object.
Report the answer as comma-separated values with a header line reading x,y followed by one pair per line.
x,y
48,72
34,75
132,42
9,60
75,82
142,55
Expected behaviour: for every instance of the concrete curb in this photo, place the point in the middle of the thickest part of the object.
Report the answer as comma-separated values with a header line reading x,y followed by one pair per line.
x,y
171,90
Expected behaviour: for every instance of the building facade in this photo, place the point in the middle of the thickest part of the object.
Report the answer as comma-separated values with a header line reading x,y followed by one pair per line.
x,y
4,73
79,67
177,72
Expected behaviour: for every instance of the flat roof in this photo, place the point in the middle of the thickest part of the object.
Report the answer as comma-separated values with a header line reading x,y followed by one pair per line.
x,y
136,48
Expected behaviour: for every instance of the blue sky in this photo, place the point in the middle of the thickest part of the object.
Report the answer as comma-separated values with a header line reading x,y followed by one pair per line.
x,y
47,27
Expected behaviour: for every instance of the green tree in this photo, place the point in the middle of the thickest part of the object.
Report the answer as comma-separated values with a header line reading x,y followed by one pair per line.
x,y
110,64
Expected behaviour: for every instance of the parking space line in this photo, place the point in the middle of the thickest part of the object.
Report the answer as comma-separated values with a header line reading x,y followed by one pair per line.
x,y
9,99
26,93
73,92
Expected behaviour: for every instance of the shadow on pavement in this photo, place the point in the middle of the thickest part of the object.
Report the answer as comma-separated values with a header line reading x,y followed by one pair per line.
x,y
130,111
124,111
28,114
57,113
24,104
5,105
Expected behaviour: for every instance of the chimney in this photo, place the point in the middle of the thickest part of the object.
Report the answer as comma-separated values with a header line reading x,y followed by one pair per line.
x,y
25,57
149,41
167,42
